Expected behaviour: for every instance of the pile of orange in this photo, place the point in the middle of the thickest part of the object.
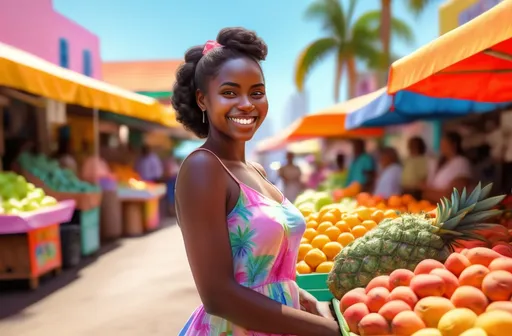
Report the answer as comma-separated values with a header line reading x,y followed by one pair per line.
x,y
403,203
329,230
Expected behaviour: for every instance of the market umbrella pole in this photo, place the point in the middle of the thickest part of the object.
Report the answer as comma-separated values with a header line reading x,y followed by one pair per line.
x,y
96,130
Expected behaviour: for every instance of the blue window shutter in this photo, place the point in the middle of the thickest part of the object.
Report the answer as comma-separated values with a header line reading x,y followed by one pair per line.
x,y
87,63
63,53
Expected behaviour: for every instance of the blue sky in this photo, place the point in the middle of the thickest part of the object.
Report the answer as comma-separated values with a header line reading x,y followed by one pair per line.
x,y
163,29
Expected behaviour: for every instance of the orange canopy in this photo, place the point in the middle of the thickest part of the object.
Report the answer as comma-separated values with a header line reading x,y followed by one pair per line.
x,y
472,62
329,122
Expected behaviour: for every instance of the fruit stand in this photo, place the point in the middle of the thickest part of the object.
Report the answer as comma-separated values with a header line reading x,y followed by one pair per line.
x,y
140,206
396,267
63,184
30,244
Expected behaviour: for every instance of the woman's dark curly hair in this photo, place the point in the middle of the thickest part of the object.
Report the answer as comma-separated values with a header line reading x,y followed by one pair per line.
x,y
199,68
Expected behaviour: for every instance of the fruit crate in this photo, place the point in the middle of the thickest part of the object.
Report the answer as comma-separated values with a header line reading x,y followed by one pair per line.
x,y
89,222
84,201
30,244
316,285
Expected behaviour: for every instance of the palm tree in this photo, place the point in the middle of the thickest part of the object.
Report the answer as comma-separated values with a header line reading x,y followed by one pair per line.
x,y
348,39
415,6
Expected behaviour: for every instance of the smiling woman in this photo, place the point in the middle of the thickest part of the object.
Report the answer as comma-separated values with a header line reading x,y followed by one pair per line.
x,y
241,234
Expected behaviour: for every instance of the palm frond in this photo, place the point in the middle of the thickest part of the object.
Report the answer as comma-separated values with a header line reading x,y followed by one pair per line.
x,y
417,6
330,12
401,30
311,55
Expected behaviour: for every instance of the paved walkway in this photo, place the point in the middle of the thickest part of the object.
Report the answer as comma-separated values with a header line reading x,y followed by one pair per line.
x,y
142,286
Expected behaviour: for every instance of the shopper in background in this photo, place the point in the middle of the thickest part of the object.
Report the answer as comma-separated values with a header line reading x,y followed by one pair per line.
x,y
453,170
149,166
291,175
94,168
415,167
317,176
389,179
65,156
362,168
338,178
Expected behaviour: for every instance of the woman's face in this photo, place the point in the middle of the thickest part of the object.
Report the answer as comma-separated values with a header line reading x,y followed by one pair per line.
x,y
236,102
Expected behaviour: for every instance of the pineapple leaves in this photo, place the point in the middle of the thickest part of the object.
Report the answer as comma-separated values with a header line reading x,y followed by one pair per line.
x,y
489,203
463,197
453,222
485,191
478,217
455,201
474,196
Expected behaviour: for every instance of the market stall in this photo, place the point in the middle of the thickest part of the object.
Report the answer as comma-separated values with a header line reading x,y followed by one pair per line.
x,y
30,244
325,123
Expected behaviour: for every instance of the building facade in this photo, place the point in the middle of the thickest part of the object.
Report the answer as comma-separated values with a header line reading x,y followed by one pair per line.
x,y
35,27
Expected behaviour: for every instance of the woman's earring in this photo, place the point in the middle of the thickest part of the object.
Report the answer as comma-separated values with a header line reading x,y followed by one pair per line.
x,y
204,117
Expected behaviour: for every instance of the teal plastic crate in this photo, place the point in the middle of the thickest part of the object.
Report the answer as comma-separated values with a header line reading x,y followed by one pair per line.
x,y
316,285
90,231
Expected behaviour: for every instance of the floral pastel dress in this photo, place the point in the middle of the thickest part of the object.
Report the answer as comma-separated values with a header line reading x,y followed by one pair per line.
x,y
265,237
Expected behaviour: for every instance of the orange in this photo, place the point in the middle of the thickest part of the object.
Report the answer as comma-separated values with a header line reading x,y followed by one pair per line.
x,y
337,214
332,249
325,209
363,213
352,220
303,249
369,224
304,240
323,226
306,212
345,238
324,267
333,232
378,216
406,199
343,226
303,268
314,258
329,217
390,214
320,240
310,233
358,231
381,206
313,216
312,224
395,201
414,207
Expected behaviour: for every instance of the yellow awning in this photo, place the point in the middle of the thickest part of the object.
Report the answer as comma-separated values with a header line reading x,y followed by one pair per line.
x,y
24,71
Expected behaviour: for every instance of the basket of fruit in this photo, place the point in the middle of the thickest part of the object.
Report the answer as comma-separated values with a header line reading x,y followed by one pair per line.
x,y
62,184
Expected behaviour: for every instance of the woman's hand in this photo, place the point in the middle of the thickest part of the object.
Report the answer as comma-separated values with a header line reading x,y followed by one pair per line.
x,y
310,304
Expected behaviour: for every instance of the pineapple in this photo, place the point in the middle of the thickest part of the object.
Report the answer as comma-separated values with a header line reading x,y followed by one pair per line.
x,y
404,241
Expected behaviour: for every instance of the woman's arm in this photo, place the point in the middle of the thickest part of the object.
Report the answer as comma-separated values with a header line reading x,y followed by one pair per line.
x,y
201,195
434,195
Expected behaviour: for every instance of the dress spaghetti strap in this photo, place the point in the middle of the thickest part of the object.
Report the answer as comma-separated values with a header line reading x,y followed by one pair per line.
x,y
220,161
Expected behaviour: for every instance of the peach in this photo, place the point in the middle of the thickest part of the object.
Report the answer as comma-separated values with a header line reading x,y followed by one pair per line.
x,y
428,332
456,263
373,324
376,298
428,285
406,323
504,249
392,308
427,265
431,309
474,332
495,323
501,264
450,280
354,314
404,294
482,256
473,276
352,297
380,281
456,321
400,277
500,305
471,298
497,285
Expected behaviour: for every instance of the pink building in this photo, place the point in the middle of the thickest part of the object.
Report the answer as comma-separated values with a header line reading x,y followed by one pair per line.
x,y
35,27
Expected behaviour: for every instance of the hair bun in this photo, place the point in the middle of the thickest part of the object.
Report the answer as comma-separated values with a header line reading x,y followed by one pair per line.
x,y
244,41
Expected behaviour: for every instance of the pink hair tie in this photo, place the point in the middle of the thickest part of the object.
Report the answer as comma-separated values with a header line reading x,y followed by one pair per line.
x,y
210,45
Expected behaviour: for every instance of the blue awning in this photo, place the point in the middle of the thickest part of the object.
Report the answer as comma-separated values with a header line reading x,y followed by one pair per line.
x,y
409,107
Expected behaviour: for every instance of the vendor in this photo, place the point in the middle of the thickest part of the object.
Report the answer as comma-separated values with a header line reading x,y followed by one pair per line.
x,y
291,175
452,170
94,168
362,168
338,178
415,168
149,166
66,159
389,179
